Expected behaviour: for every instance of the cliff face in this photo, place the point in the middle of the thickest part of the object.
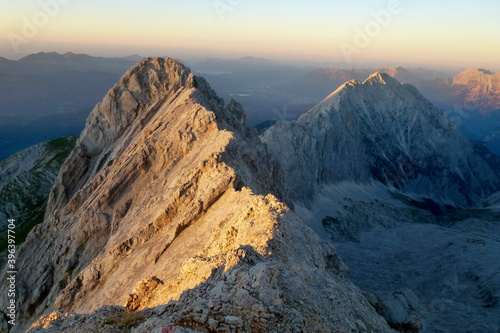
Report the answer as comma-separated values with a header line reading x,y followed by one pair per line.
x,y
168,196
385,131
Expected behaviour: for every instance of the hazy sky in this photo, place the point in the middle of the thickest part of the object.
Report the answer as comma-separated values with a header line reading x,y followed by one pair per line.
x,y
423,32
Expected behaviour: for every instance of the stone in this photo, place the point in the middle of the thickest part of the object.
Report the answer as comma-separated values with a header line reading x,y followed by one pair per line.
x,y
233,320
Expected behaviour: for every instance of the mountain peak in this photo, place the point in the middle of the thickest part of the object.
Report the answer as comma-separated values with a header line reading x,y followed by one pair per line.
x,y
381,78
152,77
379,130
374,80
154,80
478,87
41,56
133,57
471,73
137,97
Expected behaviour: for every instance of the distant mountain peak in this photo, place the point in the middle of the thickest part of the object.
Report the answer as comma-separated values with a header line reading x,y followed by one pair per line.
x,y
252,58
379,130
41,56
474,72
134,57
381,78
478,87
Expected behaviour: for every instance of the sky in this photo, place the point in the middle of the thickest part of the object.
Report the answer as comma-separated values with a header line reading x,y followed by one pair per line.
x,y
388,32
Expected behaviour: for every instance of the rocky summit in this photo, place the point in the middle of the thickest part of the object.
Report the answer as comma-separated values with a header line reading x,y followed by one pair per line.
x,y
169,215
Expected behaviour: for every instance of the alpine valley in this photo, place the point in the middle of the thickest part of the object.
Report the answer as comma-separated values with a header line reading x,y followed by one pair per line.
x,y
372,212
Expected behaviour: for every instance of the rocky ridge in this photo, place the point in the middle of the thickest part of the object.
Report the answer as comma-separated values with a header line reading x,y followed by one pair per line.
x,y
27,177
170,201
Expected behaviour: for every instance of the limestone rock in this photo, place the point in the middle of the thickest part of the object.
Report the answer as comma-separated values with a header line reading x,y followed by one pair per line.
x,y
400,309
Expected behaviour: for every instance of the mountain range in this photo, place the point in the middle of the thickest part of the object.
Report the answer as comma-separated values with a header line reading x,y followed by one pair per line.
x,y
390,180
48,95
471,97
169,198
172,214
383,130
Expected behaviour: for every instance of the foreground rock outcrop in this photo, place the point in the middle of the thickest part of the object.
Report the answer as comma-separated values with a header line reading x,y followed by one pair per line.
x,y
170,201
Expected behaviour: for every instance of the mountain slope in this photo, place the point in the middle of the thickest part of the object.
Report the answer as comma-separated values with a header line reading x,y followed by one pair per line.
x,y
321,82
169,196
380,130
25,182
449,262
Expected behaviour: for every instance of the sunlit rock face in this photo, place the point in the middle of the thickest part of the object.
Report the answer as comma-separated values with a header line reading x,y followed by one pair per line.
x,y
478,88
